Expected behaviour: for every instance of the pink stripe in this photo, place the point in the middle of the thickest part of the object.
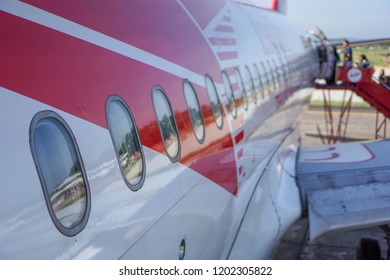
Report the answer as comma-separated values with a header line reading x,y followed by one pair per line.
x,y
222,41
230,70
227,18
224,28
235,87
73,80
239,137
202,15
240,153
227,55
117,18
274,5
332,156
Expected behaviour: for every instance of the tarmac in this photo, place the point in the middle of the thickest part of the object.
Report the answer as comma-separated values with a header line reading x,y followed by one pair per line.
x,y
295,245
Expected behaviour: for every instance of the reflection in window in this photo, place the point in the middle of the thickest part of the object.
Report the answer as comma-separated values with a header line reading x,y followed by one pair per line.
x,y
194,111
126,142
272,78
280,71
241,88
288,67
277,75
283,70
167,124
214,101
286,70
267,81
61,173
250,84
258,83
229,93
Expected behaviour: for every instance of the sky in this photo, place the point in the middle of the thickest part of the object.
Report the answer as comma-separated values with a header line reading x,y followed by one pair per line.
x,y
353,19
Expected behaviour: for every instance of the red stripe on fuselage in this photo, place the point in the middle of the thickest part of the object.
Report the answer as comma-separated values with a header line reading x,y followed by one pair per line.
x,y
274,5
227,55
227,18
222,41
204,16
230,71
224,28
239,137
240,153
162,28
78,77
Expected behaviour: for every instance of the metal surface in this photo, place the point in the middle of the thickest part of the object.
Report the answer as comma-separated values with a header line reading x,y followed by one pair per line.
x,y
70,59
348,208
346,186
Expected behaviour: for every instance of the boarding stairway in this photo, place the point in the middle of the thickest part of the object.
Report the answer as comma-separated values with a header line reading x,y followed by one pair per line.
x,y
364,84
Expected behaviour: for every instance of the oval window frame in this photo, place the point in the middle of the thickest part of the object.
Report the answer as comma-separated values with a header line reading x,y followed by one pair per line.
x,y
47,115
188,82
271,76
241,88
137,186
279,70
251,84
215,92
231,99
283,71
275,71
176,158
261,87
267,86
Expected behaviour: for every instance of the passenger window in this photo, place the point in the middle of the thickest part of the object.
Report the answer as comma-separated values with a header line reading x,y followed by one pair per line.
x,y
281,73
287,69
167,124
258,83
214,101
61,172
250,84
241,88
283,70
126,142
194,111
230,95
272,76
267,81
277,75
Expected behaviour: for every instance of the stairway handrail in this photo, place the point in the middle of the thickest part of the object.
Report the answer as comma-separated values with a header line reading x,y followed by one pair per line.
x,y
375,79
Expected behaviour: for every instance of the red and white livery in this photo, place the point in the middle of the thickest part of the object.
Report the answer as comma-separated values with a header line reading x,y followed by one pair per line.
x,y
149,129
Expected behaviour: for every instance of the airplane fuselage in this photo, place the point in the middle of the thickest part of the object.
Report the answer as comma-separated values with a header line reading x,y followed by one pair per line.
x,y
149,129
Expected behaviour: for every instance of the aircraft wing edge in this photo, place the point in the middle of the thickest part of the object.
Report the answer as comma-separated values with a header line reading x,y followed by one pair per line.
x,y
345,186
348,208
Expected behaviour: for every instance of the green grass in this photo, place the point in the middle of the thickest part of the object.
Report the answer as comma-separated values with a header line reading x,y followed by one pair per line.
x,y
378,54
